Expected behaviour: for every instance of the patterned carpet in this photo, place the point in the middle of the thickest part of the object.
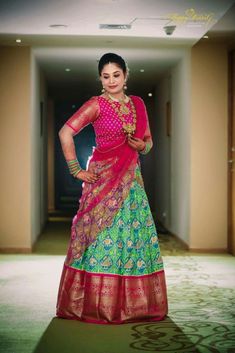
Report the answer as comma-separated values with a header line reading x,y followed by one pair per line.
x,y
201,293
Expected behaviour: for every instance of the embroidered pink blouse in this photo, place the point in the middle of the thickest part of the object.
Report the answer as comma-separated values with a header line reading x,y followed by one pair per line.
x,y
107,124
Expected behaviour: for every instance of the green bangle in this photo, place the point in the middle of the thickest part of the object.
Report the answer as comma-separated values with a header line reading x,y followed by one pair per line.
x,y
74,167
146,149
72,161
76,173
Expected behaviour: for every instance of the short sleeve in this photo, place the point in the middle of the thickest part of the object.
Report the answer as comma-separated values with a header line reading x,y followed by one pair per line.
x,y
85,115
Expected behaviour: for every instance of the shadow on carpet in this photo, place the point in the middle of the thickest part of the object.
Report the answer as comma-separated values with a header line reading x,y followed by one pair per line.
x,y
78,337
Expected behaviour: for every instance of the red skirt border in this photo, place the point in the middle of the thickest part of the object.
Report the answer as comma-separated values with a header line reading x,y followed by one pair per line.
x,y
104,298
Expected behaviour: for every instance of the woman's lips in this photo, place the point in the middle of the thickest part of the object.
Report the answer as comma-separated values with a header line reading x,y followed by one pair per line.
x,y
113,86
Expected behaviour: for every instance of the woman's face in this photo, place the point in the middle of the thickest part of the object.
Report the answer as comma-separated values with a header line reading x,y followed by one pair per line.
x,y
112,78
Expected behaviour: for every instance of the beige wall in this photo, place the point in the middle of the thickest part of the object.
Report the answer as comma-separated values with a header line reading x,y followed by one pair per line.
x,y
15,147
23,178
232,215
208,221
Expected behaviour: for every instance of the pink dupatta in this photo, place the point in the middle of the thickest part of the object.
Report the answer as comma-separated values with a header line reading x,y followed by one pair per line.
x,y
101,201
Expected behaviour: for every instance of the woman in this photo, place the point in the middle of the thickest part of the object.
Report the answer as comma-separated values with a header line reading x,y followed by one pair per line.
x,y
113,272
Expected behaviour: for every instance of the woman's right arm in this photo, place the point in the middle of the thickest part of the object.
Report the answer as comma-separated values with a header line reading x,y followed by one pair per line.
x,y
88,113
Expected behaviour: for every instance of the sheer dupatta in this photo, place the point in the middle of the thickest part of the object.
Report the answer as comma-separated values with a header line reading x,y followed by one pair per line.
x,y
102,200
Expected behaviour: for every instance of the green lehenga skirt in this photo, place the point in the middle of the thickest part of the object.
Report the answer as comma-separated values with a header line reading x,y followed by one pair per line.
x,y
120,277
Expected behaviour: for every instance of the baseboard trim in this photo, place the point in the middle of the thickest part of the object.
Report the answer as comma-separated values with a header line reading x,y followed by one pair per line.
x,y
15,250
209,250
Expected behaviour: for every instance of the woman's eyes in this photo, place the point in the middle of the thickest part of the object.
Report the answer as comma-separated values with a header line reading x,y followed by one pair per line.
x,y
116,76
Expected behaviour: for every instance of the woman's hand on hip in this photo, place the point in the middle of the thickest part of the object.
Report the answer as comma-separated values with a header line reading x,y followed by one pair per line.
x,y
87,176
136,143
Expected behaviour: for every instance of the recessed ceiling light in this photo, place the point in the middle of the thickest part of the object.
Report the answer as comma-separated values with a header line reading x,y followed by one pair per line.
x,y
141,70
206,37
67,69
58,26
150,94
18,40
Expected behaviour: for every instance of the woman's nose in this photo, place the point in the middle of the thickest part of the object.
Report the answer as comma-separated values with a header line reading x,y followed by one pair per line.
x,y
111,79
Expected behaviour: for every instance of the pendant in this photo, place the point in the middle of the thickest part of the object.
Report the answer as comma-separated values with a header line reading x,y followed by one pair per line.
x,y
124,109
129,129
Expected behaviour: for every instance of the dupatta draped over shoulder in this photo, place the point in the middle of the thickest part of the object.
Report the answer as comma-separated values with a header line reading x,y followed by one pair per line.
x,y
114,161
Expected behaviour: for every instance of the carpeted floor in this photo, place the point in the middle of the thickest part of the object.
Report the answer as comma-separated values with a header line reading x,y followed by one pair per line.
x,y
201,294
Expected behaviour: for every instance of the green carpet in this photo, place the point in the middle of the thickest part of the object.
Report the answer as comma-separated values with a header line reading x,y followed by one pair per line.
x,y
201,294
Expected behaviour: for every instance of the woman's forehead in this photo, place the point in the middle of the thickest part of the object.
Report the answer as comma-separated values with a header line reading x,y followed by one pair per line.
x,y
111,68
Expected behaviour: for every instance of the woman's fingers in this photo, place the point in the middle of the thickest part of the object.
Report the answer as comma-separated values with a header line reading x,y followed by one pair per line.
x,y
132,144
135,139
92,177
136,143
131,140
87,176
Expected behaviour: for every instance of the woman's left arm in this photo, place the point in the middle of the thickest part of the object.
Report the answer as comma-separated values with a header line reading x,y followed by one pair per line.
x,y
144,145
147,140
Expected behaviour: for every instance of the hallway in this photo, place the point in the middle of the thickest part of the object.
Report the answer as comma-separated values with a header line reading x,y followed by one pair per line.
x,y
181,57
201,305
177,75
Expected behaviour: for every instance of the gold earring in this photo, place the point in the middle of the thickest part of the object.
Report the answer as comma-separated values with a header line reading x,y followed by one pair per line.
x,y
103,90
125,86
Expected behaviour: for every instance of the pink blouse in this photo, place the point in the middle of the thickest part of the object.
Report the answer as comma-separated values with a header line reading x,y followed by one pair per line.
x,y
107,124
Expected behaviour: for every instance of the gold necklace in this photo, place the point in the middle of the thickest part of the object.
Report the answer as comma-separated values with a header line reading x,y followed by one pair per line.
x,y
123,108
125,99
128,128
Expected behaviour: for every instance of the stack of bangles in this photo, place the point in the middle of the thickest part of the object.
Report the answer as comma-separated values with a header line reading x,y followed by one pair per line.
x,y
146,149
74,167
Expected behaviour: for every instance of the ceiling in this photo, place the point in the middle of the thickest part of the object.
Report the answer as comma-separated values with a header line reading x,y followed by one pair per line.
x,y
145,45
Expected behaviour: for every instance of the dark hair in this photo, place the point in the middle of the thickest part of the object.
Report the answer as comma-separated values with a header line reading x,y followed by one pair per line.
x,y
112,58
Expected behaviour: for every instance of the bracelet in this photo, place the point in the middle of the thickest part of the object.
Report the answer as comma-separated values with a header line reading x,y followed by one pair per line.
x,y
146,149
74,167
